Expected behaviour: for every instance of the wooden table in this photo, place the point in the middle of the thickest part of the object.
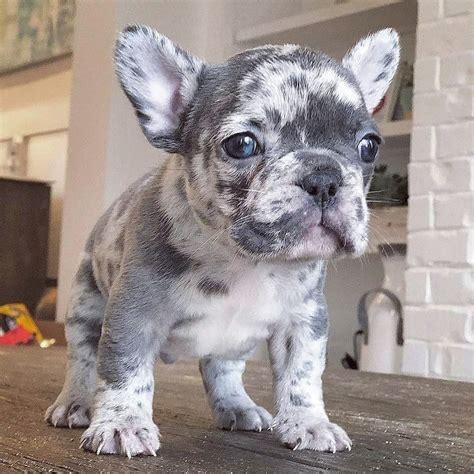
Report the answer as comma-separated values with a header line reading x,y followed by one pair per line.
x,y
396,423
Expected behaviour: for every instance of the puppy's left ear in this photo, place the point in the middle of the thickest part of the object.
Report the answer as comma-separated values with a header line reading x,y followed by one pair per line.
x,y
373,61
160,79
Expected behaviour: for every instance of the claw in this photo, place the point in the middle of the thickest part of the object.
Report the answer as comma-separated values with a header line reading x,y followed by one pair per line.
x,y
101,445
149,449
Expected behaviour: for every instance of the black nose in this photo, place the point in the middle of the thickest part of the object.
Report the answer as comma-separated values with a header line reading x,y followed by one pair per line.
x,y
323,185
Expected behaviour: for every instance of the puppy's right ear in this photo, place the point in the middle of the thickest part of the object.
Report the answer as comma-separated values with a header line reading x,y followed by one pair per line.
x,y
160,79
374,61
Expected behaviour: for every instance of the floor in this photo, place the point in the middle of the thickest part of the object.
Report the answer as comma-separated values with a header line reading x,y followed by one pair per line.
x,y
396,423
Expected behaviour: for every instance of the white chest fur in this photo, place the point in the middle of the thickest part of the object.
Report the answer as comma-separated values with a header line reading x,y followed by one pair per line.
x,y
231,324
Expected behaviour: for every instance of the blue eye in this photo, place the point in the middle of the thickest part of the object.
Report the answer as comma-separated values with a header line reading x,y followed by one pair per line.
x,y
241,146
368,148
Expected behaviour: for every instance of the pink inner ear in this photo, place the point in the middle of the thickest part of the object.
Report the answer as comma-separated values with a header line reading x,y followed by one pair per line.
x,y
176,104
379,105
175,82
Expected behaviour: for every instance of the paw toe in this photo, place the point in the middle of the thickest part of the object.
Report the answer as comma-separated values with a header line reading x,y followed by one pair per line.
x,y
266,418
72,415
121,438
318,436
252,418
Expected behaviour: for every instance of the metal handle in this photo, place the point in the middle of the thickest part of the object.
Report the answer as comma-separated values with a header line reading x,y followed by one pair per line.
x,y
364,319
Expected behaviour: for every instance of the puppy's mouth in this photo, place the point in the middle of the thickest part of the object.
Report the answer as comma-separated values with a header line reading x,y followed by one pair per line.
x,y
338,232
313,235
332,233
326,238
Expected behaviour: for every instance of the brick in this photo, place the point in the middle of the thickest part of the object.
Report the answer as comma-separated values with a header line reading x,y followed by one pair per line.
x,y
457,7
438,324
415,358
454,210
427,74
462,362
445,37
452,286
439,360
457,69
420,179
460,103
420,213
447,176
446,106
430,109
429,10
417,286
455,139
422,144
441,247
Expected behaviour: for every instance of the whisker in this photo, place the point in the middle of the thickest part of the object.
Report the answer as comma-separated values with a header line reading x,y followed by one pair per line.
x,y
252,190
214,237
382,200
380,236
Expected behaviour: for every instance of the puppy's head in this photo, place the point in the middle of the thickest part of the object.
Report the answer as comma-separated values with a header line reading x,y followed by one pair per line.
x,y
278,143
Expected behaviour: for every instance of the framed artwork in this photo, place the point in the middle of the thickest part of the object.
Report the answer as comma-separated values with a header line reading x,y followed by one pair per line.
x,y
33,31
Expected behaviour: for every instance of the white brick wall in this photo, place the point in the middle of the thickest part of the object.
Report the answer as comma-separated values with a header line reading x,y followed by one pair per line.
x,y
439,311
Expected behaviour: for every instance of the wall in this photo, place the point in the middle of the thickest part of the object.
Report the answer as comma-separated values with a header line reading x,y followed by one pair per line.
x,y
34,104
440,278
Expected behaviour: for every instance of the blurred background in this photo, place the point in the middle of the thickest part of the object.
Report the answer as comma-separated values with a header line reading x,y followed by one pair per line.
x,y
70,144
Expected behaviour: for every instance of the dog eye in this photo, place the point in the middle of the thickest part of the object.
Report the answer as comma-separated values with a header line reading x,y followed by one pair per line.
x,y
241,146
368,148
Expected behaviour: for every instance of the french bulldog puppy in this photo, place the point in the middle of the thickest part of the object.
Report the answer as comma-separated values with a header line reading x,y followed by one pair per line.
x,y
226,244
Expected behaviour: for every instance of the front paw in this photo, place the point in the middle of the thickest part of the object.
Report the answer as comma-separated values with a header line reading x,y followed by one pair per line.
x,y
242,417
307,431
126,434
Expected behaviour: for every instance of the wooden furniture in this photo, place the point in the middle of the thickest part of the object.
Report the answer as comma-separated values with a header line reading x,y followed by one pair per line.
x,y
396,423
24,223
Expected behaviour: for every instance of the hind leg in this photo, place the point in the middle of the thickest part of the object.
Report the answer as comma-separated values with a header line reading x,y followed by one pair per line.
x,y
231,407
83,330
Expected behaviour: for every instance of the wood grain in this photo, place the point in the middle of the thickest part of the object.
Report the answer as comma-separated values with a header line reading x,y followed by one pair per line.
x,y
396,423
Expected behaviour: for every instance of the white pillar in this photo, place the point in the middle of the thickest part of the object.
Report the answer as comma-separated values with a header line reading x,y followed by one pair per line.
x,y
439,311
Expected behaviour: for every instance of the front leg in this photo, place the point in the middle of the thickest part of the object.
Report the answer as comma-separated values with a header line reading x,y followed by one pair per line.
x,y
231,407
298,355
122,420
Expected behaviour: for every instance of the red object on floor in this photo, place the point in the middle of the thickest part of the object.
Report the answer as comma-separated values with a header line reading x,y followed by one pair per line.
x,y
16,336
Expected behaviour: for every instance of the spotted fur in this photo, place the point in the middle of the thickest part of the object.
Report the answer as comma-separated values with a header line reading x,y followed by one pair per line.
x,y
210,255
